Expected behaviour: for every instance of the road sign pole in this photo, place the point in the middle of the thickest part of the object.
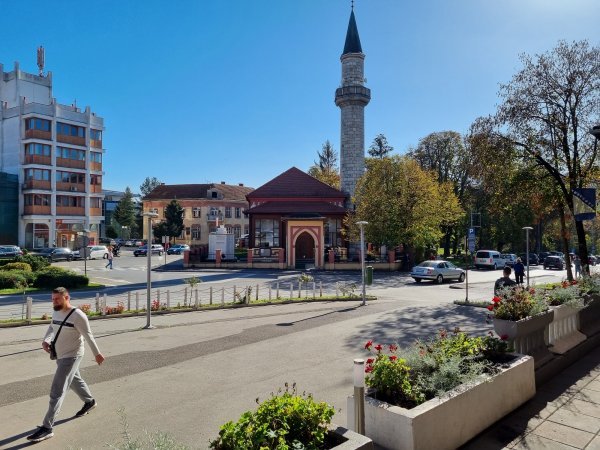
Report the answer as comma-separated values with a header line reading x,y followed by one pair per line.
x,y
467,271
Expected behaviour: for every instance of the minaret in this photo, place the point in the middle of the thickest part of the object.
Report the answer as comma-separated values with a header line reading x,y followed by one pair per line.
x,y
352,97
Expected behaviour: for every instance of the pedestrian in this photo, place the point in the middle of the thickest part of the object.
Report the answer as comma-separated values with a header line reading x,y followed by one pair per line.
x,y
110,258
503,281
519,271
577,262
64,342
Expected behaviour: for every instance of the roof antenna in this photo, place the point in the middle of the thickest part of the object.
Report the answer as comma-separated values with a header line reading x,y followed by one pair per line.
x,y
352,3
40,60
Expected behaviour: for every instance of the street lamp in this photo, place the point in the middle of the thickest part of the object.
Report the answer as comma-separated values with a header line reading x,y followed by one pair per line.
x,y
527,250
362,224
85,249
123,228
150,216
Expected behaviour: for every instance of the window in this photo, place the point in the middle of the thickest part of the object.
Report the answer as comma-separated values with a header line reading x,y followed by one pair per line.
x,y
214,211
70,177
95,180
35,123
228,212
37,174
65,200
237,232
213,194
266,233
96,135
37,199
182,234
96,157
196,232
229,229
246,229
196,212
94,202
37,149
70,153
332,230
238,213
153,210
69,130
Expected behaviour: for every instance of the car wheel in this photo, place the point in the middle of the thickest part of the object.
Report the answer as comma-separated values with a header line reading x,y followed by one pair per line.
x,y
439,279
418,280
461,278
159,253
69,258
136,255
545,268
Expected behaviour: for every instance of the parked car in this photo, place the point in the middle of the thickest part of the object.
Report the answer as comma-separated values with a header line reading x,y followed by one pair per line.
x,y
7,251
509,259
177,249
55,253
592,260
534,260
554,262
489,259
437,271
157,249
129,243
542,256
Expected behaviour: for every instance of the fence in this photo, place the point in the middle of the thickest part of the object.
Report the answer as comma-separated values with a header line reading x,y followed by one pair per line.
x,y
183,297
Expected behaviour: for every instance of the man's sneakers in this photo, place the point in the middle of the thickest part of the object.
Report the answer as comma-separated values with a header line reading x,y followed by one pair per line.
x,y
87,407
41,434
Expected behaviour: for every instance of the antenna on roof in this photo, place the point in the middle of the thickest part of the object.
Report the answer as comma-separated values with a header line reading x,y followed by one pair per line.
x,y
40,60
352,4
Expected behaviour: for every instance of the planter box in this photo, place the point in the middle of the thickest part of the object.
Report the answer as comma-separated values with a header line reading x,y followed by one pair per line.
x,y
345,439
528,336
563,331
451,420
589,317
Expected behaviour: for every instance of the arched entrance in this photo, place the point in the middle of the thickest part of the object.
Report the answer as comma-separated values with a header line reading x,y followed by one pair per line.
x,y
304,251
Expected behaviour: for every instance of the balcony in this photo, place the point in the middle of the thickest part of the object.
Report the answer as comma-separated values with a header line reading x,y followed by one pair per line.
x,y
75,140
95,143
36,209
96,166
37,184
214,217
38,159
71,163
70,187
96,188
38,134
95,211
70,211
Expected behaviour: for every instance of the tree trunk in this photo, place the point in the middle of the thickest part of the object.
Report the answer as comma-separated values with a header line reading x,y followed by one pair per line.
x,y
582,244
565,241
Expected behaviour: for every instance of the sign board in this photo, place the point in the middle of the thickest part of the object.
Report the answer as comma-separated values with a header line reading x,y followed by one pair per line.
x,y
471,240
165,239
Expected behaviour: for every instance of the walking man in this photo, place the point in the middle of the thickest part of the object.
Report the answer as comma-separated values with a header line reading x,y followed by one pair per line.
x,y
504,281
519,271
69,353
577,266
110,258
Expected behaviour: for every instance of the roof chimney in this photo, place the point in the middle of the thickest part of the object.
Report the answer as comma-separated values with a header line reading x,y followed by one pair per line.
x,y
240,184
222,182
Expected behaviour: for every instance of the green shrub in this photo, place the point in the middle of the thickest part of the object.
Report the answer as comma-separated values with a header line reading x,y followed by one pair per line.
x,y
10,279
284,421
53,277
16,266
36,262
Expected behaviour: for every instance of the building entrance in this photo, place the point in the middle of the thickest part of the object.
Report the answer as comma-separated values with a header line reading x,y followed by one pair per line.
x,y
305,251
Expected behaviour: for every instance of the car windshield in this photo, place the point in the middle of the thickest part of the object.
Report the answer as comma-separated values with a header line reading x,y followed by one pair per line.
x,y
429,264
482,255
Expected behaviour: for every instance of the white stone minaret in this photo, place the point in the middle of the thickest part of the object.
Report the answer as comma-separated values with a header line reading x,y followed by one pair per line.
x,y
352,97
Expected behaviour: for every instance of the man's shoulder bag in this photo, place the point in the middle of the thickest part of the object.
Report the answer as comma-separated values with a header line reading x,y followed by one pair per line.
x,y
53,354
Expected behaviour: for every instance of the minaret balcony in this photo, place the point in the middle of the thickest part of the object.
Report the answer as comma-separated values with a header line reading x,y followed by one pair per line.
x,y
352,94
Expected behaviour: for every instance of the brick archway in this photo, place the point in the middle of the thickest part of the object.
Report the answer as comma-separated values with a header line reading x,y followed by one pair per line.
x,y
315,232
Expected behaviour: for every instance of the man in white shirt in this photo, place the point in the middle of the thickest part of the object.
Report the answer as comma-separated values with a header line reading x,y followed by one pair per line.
x,y
69,353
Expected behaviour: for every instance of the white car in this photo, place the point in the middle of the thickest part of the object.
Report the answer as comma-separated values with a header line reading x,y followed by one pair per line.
x,y
93,252
437,271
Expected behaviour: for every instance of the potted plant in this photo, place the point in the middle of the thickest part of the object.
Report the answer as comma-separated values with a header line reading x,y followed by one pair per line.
x,y
563,331
589,316
455,383
522,316
288,420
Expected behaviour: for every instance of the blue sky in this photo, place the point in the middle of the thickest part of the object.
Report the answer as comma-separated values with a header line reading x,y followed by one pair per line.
x,y
239,91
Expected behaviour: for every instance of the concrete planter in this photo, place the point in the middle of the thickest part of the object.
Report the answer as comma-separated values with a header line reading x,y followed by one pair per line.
x,y
563,331
346,439
528,336
589,317
449,421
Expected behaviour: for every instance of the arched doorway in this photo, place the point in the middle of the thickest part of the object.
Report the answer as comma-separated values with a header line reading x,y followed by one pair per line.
x,y
304,251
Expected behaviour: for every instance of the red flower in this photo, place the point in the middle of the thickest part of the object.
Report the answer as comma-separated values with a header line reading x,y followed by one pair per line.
x,y
504,337
532,291
369,369
574,282
378,347
490,307
393,358
368,345
393,347
496,299
370,361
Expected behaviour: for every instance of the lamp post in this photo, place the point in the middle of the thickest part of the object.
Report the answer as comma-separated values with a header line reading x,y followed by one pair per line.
x,y
362,224
150,216
527,250
85,232
123,234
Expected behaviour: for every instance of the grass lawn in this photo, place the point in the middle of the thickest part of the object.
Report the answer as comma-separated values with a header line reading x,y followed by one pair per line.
x,y
34,290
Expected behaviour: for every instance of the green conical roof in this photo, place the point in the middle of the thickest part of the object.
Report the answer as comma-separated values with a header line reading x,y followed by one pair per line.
x,y
352,44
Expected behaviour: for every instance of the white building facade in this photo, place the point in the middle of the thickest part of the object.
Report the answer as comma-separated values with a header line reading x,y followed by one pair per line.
x,y
56,151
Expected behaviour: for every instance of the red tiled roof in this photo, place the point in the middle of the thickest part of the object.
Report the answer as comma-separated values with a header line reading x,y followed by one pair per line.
x,y
292,208
193,191
295,183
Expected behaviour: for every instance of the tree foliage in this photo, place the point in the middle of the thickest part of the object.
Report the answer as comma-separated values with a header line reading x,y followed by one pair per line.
x,y
148,185
173,223
379,147
403,203
125,211
326,169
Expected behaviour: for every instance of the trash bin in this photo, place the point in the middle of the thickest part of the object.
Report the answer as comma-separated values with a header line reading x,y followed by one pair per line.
x,y
369,275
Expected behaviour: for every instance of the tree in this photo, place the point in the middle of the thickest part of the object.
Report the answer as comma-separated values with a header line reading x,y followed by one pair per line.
x,y
125,212
548,108
326,169
380,148
110,232
173,219
148,185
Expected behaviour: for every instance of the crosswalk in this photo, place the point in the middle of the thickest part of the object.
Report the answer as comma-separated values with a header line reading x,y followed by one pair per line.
x,y
115,268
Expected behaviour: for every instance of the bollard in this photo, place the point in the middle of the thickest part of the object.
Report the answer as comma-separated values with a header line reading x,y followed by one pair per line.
x,y
129,301
234,293
168,299
269,292
210,296
359,396
196,297
314,290
137,301
277,294
291,290
185,297
320,288
29,307
104,305
257,292
97,302
158,295
222,296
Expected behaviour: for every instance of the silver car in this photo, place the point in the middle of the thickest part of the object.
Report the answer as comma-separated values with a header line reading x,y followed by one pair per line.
x,y
437,271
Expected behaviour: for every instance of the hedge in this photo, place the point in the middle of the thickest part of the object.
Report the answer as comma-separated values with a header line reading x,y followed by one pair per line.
x,y
10,279
17,266
54,277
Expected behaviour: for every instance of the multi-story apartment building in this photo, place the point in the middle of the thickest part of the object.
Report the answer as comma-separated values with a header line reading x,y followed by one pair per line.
x,y
56,151
205,206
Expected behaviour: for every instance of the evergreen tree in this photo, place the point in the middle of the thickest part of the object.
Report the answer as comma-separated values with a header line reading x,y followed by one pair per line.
x,y
380,148
148,185
124,213
173,219
326,170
